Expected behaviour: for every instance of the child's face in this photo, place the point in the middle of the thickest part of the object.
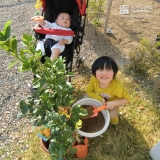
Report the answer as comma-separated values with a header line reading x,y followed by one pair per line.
x,y
104,76
63,20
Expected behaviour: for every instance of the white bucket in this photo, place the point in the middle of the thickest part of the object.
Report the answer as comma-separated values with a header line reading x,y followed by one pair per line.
x,y
96,103
155,152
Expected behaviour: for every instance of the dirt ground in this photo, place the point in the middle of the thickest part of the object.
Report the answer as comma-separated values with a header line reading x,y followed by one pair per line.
x,y
141,21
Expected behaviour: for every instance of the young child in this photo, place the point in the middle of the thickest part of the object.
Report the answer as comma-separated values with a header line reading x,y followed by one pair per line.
x,y
104,87
63,22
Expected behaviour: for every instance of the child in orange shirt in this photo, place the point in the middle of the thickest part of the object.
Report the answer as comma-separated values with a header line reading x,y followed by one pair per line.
x,y
104,87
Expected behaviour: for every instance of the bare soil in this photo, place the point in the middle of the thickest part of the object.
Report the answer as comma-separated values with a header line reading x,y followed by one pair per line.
x,y
93,124
142,21
128,29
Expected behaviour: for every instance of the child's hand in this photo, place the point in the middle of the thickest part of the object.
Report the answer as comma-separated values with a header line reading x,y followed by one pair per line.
x,y
39,20
110,105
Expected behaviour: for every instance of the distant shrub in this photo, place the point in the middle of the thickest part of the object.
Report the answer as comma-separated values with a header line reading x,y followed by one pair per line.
x,y
145,58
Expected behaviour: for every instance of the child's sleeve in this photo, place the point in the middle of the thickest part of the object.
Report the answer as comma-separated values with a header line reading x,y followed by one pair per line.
x,y
127,96
122,92
69,38
48,25
90,90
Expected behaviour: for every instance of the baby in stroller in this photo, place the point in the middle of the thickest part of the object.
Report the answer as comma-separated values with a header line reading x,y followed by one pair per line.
x,y
50,11
56,42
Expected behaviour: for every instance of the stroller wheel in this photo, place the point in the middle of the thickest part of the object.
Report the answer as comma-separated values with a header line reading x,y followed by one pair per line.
x,y
80,61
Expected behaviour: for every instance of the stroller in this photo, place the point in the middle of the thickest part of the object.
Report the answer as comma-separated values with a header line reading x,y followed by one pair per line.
x,y
77,10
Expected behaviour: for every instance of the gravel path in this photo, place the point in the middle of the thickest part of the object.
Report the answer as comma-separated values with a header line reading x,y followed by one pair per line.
x,y
13,85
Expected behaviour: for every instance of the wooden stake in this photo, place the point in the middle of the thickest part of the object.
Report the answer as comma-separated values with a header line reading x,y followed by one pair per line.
x,y
107,16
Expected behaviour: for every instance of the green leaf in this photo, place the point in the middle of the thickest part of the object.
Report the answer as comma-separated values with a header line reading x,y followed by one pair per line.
x,y
2,37
13,44
40,122
25,67
55,117
26,50
49,105
73,151
45,98
52,146
59,89
5,33
31,108
39,84
69,157
20,115
79,110
22,56
11,64
27,37
23,107
56,129
68,129
25,43
74,117
28,40
7,29
48,60
35,80
60,158
62,150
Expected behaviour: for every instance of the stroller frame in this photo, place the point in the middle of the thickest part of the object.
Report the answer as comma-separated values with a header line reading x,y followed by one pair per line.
x,y
77,11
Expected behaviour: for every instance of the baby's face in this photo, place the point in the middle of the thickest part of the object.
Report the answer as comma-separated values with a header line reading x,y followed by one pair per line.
x,y
63,20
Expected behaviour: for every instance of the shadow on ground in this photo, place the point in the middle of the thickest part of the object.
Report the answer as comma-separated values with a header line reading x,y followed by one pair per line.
x,y
123,142
95,46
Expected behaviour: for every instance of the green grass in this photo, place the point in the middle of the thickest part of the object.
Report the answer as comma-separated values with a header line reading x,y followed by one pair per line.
x,y
35,152
137,132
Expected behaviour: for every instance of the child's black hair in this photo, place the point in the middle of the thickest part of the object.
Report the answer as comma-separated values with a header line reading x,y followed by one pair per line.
x,y
58,13
104,62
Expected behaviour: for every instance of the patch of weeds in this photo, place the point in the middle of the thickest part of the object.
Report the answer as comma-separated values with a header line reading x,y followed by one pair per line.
x,y
145,65
145,59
